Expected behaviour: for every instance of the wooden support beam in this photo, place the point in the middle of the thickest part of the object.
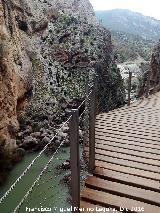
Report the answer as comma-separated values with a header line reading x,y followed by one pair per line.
x,y
148,84
92,117
75,160
129,88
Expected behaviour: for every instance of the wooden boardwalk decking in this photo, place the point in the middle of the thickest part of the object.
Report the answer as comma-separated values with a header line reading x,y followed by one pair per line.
x,y
127,172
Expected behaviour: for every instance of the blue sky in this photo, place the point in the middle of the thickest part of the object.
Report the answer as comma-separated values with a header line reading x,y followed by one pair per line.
x,y
146,7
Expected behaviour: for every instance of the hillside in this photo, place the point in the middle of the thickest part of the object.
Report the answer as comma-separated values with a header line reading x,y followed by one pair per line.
x,y
133,34
130,22
129,47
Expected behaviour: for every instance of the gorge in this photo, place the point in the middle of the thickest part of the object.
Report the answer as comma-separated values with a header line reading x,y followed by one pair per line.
x,y
49,51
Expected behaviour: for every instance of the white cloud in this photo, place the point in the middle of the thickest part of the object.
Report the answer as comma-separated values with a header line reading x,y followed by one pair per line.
x,y
146,7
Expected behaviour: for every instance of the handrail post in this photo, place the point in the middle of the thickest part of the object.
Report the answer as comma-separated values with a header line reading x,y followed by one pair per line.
x,y
74,159
129,88
148,84
92,118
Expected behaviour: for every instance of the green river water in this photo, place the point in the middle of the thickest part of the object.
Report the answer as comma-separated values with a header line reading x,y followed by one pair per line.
x,y
50,192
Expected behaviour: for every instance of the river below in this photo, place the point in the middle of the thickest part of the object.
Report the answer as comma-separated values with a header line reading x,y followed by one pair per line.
x,y
50,192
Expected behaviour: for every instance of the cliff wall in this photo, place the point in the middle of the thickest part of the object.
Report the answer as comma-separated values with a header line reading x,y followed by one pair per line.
x,y
155,68
48,51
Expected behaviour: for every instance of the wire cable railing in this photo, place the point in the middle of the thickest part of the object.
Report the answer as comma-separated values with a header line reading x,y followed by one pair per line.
x,y
76,120
32,163
38,178
73,131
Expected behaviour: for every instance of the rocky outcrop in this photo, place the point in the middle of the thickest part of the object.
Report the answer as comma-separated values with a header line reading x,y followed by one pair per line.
x,y
49,49
15,69
155,68
150,76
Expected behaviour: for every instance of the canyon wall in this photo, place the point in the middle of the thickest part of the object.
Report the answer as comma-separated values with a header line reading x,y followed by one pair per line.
x,y
48,51
155,68
151,73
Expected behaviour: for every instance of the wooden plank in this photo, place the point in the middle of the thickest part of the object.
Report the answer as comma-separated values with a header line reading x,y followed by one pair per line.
x,y
107,199
129,122
133,143
129,136
134,110
148,123
120,189
139,120
123,137
128,163
133,117
128,170
128,157
89,207
129,131
74,158
127,151
115,138
134,126
143,105
121,140
129,179
113,142
128,126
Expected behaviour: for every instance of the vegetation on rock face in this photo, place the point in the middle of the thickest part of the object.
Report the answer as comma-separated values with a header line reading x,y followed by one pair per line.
x,y
54,51
111,90
155,66
127,21
70,50
150,73
129,47
133,34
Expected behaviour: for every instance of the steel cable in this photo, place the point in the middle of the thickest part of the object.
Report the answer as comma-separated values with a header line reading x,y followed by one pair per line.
x,y
38,178
31,164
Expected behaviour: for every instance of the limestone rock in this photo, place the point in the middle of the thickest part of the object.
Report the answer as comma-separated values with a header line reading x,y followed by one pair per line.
x,y
36,134
152,72
15,67
46,140
155,68
29,143
48,50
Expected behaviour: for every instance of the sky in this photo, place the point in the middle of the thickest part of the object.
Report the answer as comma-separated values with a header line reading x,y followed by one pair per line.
x,y
146,7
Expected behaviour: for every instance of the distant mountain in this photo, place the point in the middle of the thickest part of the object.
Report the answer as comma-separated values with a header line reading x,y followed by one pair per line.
x,y
130,22
129,47
133,34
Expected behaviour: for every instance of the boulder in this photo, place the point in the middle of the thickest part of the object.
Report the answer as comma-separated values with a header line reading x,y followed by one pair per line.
x,y
29,143
18,155
36,134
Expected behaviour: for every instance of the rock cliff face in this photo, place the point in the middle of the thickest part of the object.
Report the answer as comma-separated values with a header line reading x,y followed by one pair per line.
x,y
48,50
152,72
155,68
15,68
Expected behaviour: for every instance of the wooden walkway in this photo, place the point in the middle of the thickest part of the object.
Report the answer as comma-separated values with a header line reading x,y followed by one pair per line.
x,y
127,173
